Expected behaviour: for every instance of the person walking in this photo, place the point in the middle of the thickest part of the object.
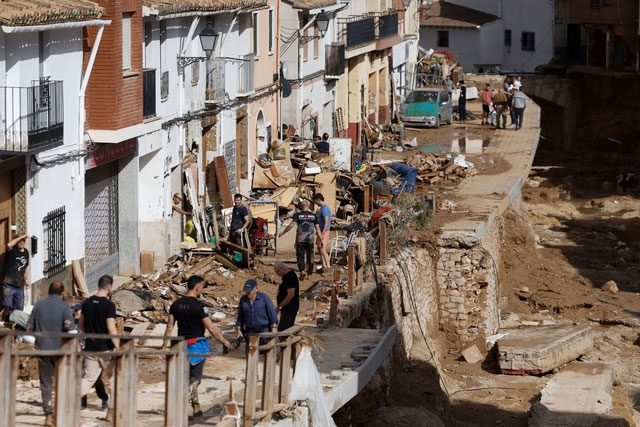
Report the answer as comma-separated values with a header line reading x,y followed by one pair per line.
x,y
51,314
16,263
240,223
500,102
322,229
256,313
462,102
448,85
305,233
98,316
288,298
519,104
193,318
487,100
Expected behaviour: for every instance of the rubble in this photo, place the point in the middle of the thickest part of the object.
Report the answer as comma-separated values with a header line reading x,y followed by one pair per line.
x,y
540,349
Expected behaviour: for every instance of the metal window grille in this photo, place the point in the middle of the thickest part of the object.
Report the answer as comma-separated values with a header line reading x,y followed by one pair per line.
x,y
54,248
528,41
164,85
195,73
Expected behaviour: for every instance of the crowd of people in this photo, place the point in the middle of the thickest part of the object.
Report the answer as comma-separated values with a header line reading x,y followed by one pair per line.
x,y
509,100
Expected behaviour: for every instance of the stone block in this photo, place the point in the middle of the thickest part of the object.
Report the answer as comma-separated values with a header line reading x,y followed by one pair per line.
x,y
541,349
575,397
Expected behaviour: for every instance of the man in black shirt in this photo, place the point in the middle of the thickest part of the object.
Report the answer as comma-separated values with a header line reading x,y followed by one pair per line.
x,y
288,297
305,235
99,317
15,280
192,317
240,222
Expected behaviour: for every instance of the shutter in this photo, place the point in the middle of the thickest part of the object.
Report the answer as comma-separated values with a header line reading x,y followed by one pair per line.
x,y
126,41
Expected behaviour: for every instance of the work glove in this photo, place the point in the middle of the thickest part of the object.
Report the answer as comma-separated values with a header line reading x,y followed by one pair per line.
x,y
239,341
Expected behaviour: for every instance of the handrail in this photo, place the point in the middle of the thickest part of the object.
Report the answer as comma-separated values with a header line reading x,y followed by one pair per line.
x,y
68,375
279,350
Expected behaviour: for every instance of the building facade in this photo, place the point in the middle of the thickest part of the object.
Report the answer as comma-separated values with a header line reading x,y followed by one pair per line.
x,y
491,35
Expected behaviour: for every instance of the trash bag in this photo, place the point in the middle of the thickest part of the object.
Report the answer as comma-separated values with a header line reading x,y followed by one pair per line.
x,y
307,385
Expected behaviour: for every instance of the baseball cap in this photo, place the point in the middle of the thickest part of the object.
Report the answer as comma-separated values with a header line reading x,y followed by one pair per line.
x,y
250,285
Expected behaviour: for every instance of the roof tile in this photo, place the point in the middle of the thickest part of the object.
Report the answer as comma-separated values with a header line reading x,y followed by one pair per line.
x,y
167,7
36,12
442,14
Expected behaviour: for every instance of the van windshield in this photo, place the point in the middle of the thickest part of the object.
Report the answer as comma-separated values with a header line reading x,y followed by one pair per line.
x,y
422,96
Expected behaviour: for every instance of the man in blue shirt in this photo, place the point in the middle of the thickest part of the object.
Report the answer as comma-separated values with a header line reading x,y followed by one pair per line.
x,y
323,226
256,312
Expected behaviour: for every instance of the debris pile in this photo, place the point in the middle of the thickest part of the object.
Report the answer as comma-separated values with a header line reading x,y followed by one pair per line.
x,y
434,168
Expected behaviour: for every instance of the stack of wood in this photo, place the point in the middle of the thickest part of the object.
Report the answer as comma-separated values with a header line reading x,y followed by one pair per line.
x,y
433,168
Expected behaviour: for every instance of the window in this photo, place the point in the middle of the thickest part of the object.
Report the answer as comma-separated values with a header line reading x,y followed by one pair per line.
x,y
595,4
443,39
528,41
54,252
255,33
507,38
126,41
271,34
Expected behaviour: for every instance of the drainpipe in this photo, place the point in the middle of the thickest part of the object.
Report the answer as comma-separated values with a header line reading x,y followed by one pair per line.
x,y
300,76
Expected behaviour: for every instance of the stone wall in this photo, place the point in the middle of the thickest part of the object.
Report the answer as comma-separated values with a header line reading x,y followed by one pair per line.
x,y
467,277
411,296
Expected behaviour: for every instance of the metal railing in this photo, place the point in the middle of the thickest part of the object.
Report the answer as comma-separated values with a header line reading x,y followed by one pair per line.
x,y
359,30
388,25
149,93
31,118
280,351
68,377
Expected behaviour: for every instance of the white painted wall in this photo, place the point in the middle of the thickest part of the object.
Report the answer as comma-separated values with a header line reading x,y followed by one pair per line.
x,y
466,44
487,6
528,15
56,184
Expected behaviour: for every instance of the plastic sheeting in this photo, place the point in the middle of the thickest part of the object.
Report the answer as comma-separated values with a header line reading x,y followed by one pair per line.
x,y
307,385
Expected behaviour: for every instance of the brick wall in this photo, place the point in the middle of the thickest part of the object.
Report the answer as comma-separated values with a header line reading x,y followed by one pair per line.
x,y
113,98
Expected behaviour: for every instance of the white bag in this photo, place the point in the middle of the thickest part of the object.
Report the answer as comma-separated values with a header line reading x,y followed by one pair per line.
x,y
308,386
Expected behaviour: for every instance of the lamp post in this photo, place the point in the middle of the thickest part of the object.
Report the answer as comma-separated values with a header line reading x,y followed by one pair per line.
x,y
322,24
208,39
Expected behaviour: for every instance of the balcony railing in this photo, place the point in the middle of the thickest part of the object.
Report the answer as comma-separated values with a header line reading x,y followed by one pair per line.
x,y
31,118
388,25
359,30
230,78
149,93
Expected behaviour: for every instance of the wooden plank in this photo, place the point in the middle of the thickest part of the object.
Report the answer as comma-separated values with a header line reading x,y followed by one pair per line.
x,y
67,384
269,383
327,186
351,269
78,276
8,374
284,196
260,179
126,384
227,246
251,382
147,261
175,404
285,373
222,180
384,242
366,199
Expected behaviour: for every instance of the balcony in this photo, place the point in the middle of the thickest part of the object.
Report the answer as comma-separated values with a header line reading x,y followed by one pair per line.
x,y
230,78
31,117
388,26
149,93
361,30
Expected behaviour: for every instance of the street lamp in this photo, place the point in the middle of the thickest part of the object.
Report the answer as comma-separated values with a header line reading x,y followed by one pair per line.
x,y
322,24
208,39
406,4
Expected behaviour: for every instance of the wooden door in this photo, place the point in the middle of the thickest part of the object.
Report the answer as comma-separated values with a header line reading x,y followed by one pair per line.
x,y
6,213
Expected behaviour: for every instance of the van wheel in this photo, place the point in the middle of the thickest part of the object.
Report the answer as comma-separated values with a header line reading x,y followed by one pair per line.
x,y
437,123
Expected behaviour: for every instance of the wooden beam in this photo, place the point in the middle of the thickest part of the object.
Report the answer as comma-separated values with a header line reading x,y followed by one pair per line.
x,y
7,381
269,383
384,242
251,382
285,373
351,269
78,276
227,246
176,403
222,179
67,384
126,385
